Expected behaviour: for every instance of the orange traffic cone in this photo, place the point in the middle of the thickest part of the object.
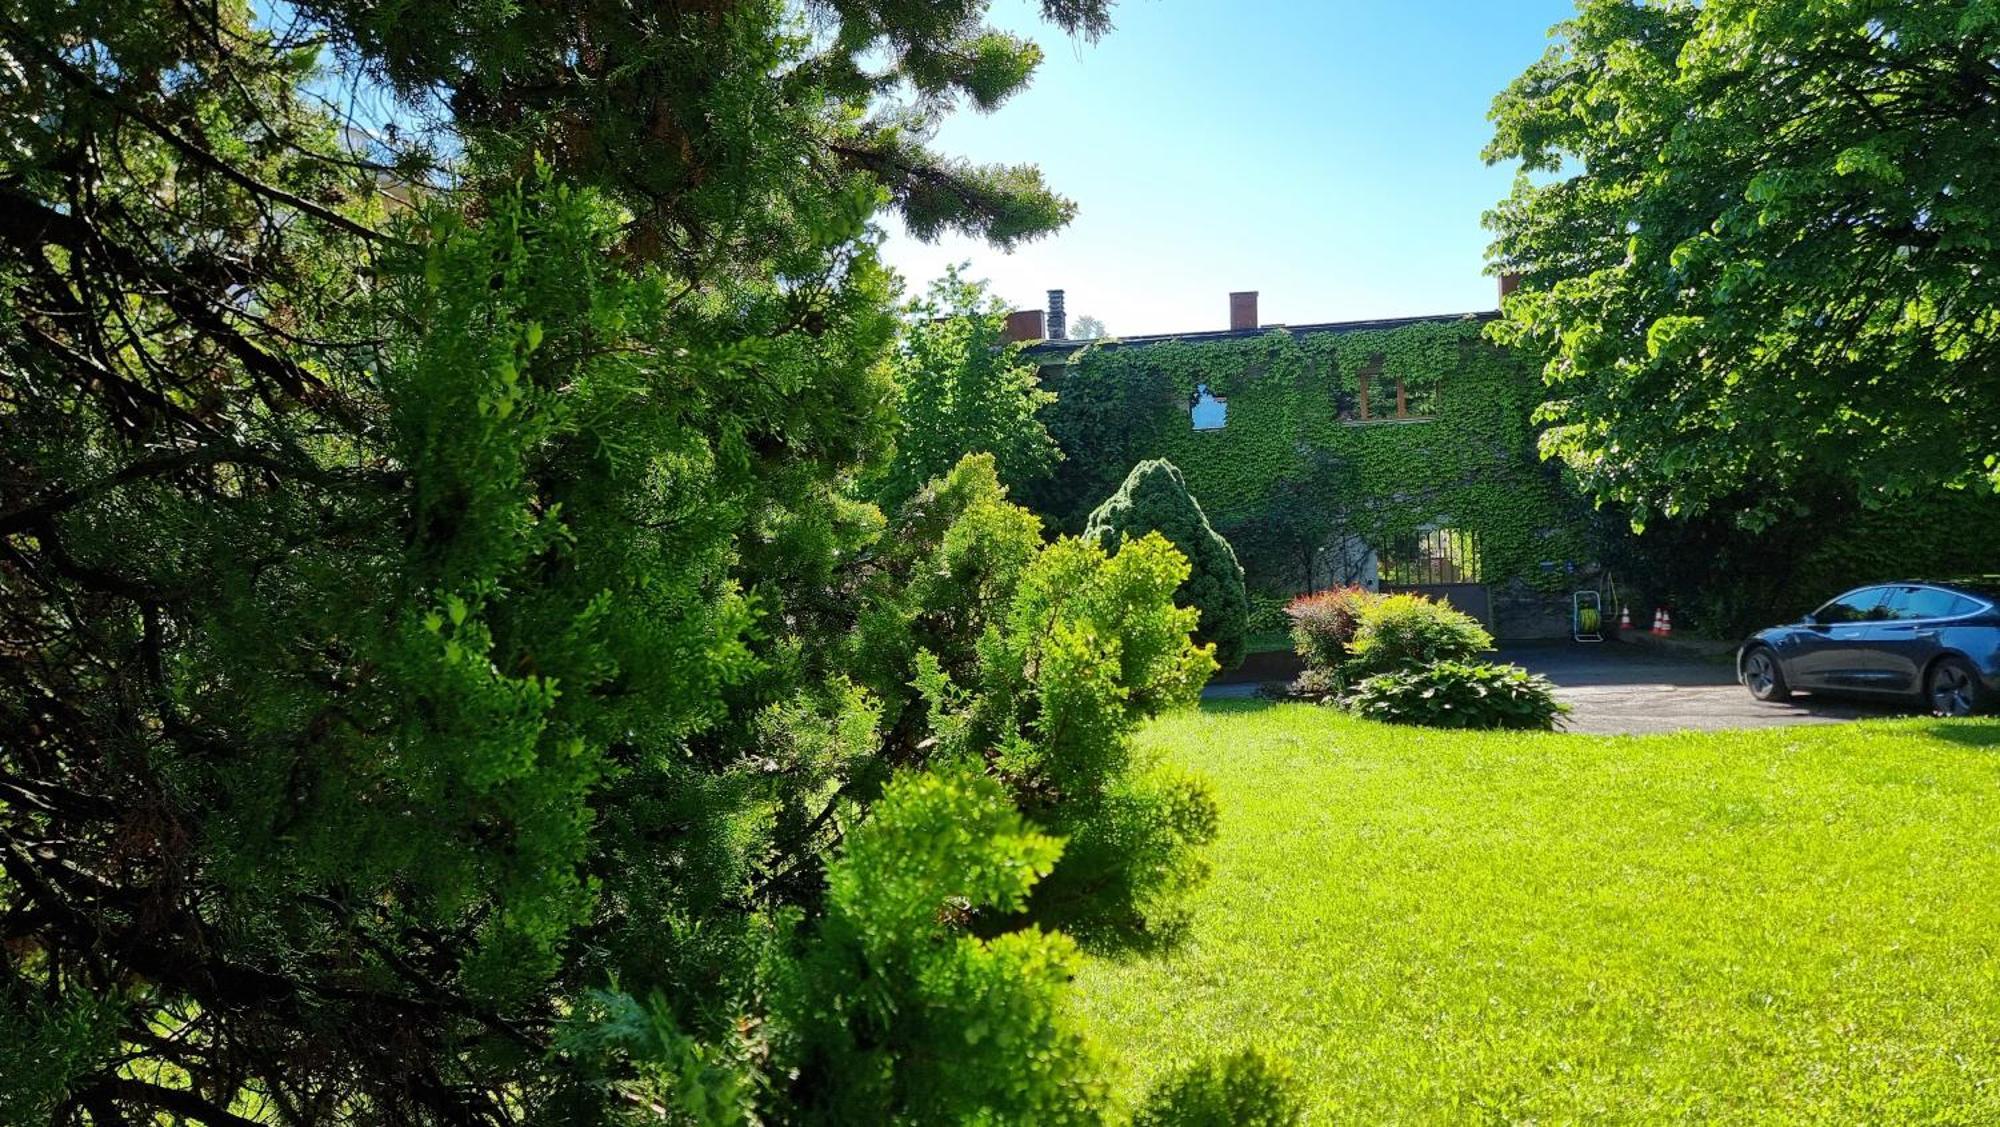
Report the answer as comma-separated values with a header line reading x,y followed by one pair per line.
x,y
1666,623
1659,621
1624,618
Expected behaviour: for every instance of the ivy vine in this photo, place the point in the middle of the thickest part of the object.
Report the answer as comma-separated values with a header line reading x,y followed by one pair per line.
x,y
1293,470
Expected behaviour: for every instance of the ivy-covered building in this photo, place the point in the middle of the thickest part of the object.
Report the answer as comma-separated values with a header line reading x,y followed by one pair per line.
x,y
1396,453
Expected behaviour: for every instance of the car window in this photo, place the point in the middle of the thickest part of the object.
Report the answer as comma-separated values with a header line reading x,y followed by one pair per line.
x,y
1924,602
1858,606
1962,605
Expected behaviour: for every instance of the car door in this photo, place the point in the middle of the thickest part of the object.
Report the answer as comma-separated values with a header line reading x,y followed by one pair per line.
x,y
1903,644
1828,650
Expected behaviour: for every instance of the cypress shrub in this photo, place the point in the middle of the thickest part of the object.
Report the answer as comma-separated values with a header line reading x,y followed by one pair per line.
x,y
1154,498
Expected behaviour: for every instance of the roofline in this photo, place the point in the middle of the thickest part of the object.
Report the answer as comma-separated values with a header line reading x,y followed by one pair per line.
x,y
1065,347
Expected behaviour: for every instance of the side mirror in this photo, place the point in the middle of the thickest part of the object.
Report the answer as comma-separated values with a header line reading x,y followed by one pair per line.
x,y
1808,620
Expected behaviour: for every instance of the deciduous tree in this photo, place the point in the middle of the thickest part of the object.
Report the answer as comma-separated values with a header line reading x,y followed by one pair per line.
x,y
1756,243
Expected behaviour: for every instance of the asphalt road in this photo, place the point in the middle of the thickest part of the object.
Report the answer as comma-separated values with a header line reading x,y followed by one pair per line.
x,y
1624,688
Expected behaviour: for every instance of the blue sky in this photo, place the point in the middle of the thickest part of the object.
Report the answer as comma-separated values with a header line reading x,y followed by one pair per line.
x,y
1322,152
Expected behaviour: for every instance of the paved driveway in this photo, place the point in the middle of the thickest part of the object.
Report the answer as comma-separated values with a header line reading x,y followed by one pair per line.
x,y
1626,688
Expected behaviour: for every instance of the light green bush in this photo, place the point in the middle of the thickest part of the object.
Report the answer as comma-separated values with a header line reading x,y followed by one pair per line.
x,y
1038,662
1403,632
902,1013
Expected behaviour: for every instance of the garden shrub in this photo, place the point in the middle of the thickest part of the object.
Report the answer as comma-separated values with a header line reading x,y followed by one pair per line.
x,y
1402,632
1323,625
942,576
903,1014
1092,647
1267,613
1240,1090
1038,662
1457,694
1154,498
1318,685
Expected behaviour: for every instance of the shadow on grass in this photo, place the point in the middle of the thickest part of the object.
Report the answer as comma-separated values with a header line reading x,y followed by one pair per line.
x,y
1238,704
1124,943
1971,733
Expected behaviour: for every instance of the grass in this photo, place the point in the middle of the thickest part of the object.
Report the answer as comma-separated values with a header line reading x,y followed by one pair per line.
x,y
1786,926
1268,642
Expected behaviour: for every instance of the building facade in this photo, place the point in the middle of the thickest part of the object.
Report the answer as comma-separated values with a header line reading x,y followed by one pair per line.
x,y
1398,454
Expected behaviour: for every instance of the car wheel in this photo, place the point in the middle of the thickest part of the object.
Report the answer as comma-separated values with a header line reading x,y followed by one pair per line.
x,y
1763,676
1954,688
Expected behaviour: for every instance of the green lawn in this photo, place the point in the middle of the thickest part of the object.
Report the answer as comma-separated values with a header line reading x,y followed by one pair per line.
x,y
1798,925
1271,642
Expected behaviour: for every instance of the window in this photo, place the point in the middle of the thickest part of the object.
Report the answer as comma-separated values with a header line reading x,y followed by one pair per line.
x,y
1381,396
1910,603
1210,412
1864,605
1436,555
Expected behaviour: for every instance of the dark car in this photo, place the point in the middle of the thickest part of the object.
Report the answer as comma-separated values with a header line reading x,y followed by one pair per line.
x,y
1938,641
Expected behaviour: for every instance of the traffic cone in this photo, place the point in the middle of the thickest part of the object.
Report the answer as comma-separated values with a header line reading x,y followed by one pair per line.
x,y
1666,623
1659,621
1624,618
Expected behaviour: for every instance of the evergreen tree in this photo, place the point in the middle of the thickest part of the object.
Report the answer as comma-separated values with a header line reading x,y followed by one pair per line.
x,y
1154,498
412,540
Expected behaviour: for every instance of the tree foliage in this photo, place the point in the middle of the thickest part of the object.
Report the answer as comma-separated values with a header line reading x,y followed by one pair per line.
x,y
963,389
1086,327
428,559
1154,498
1755,238
1037,662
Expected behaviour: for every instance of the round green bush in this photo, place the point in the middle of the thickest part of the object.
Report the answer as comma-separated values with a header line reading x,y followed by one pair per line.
x,y
1456,694
1404,632
1154,498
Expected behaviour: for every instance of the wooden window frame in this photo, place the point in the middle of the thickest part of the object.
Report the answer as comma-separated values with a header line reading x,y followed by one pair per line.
x,y
1365,380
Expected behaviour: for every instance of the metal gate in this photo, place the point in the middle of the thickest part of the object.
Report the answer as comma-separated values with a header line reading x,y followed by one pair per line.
x,y
1442,564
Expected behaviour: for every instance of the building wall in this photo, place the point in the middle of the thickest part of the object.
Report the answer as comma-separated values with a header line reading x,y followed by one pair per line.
x,y
1298,479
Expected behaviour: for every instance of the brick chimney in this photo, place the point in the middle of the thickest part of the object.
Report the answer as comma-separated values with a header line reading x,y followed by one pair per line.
x,y
1509,282
1243,309
1024,325
1058,325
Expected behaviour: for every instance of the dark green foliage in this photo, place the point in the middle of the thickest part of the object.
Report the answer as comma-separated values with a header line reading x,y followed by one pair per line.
x,y
1154,498
1267,613
1457,694
962,389
1756,245
1240,1090
1404,632
426,588
1723,580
